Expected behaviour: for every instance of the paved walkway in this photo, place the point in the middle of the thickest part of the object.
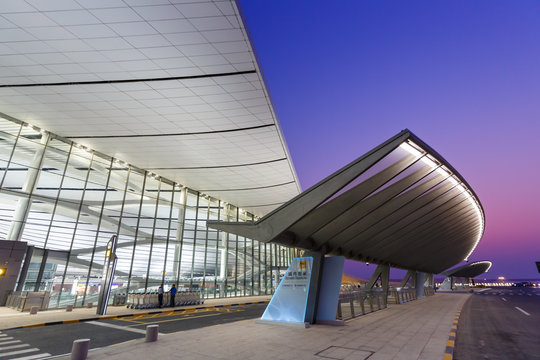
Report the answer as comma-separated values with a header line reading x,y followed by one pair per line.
x,y
10,318
415,330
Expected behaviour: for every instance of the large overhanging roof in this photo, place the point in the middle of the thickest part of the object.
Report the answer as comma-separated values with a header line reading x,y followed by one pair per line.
x,y
400,204
469,270
168,86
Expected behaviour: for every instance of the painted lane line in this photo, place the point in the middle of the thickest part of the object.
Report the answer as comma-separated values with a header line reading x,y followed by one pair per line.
x,y
6,338
118,327
20,352
37,356
503,299
2,335
523,311
162,321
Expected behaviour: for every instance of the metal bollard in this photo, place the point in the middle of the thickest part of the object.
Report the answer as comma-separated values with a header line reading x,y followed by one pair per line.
x,y
152,333
79,350
69,308
34,310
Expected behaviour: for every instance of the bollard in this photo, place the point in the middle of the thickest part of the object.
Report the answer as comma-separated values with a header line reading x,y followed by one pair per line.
x,y
69,308
89,305
152,333
79,350
34,310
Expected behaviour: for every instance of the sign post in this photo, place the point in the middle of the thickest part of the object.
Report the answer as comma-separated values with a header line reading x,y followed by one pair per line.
x,y
108,274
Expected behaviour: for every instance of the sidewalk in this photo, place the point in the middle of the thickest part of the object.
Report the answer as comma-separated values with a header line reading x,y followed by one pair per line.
x,y
10,318
416,330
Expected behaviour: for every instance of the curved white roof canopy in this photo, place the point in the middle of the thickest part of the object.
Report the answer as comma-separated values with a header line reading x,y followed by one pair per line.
x,y
400,204
469,270
167,86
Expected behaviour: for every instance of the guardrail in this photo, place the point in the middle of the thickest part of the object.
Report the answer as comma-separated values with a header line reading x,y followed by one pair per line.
x,y
402,296
358,303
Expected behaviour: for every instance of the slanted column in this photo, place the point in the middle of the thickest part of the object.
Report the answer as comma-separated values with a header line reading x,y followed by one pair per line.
x,y
382,272
30,182
420,278
411,274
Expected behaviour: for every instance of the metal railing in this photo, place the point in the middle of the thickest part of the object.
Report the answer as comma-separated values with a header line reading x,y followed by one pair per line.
x,y
401,296
357,303
360,302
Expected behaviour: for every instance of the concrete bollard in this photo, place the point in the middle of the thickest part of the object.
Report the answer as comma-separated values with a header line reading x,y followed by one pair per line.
x,y
34,310
79,350
152,333
89,305
69,308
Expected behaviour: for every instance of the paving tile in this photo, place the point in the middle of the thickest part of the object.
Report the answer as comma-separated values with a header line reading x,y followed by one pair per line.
x,y
416,330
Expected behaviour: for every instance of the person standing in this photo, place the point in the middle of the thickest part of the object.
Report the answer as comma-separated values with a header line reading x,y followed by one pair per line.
x,y
173,292
160,295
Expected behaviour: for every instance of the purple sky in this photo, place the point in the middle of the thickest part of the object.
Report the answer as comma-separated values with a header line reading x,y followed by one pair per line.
x,y
464,76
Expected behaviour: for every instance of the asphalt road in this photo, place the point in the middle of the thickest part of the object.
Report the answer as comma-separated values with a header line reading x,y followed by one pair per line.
x,y
500,323
57,339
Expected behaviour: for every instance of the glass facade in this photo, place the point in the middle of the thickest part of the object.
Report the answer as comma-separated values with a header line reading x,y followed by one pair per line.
x,y
67,201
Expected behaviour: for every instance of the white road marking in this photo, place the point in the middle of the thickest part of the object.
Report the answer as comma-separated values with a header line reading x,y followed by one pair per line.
x,y
20,352
10,342
523,311
503,299
31,357
138,331
486,289
2,348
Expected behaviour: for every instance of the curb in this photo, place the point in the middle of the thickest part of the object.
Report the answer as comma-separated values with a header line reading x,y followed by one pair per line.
x,y
451,343
107,317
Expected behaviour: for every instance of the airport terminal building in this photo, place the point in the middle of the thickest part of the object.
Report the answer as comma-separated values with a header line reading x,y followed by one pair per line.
x,y
149,120
144,120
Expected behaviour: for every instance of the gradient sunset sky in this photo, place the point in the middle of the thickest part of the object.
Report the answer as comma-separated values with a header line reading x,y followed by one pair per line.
x,y
462,75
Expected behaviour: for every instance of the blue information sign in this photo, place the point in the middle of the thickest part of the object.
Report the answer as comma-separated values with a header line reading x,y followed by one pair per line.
x,y
290,299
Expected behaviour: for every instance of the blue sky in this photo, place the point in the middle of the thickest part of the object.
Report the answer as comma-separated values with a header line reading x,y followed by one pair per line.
x,y
462,75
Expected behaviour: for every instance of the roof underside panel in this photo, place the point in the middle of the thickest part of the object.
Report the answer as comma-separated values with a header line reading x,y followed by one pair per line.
x,y
167,86
400,204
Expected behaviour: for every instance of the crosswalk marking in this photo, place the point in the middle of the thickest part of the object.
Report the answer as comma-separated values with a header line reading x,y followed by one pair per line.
x,y
17,352
10,342
10,347
2,348
31,357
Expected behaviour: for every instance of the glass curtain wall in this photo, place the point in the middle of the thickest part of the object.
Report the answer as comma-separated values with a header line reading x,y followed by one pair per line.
x,y
62,197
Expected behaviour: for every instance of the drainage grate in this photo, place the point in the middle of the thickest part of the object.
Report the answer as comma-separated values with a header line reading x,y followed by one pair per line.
x,y
340,353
